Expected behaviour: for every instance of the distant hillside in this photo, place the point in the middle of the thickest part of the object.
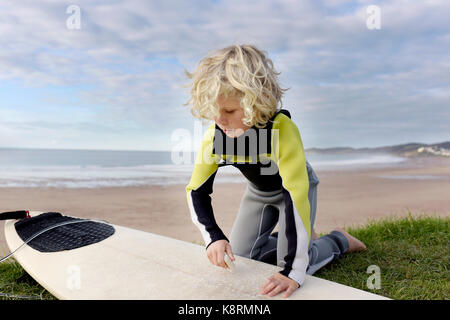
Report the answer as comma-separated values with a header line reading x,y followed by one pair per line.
x,y
406,150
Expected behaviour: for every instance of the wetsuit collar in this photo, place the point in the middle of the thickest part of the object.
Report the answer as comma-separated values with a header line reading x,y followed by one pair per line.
x,y
244,145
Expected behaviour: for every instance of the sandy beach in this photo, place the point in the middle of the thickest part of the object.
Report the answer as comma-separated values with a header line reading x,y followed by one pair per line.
x,y
345,198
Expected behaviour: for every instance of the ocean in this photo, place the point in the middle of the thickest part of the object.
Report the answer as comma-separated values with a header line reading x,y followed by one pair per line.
x,y
100,168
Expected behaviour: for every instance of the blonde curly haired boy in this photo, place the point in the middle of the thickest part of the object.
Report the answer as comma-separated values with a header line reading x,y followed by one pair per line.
x,y
237,87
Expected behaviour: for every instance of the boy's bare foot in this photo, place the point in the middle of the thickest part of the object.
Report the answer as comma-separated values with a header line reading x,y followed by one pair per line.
x,y
314,235
353,243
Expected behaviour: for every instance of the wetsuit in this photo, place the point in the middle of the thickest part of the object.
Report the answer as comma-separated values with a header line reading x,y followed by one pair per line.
x,y
281,189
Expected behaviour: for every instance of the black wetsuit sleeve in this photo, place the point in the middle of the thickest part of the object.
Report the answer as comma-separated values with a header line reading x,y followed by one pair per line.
x,y
200,188
203,212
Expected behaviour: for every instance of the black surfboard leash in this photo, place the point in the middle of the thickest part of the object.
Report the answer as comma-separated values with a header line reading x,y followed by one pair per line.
x,y
21,214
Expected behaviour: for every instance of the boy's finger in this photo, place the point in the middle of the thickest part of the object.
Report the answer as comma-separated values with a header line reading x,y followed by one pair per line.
x,y
221,260
279,288
230,252
217,258
268,286
289,290
214,258
229,263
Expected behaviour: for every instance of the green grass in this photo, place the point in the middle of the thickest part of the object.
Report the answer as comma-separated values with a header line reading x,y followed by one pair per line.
x,y
16,284
413,255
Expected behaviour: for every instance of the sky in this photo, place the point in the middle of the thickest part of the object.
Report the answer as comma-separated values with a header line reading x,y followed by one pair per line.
x,y
110,74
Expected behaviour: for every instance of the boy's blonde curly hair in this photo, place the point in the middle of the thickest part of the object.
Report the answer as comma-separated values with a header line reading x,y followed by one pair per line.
x,y
238,70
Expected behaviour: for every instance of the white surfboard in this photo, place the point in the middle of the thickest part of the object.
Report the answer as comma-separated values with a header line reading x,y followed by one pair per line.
x,y
132,264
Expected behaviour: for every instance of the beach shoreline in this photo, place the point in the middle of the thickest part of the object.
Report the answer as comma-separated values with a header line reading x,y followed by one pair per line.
x,y
347,197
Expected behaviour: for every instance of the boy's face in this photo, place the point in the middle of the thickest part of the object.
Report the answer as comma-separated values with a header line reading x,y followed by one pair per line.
x,y
231,114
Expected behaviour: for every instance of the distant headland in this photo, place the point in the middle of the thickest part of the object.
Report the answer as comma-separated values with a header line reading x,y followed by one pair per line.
x,y
406,150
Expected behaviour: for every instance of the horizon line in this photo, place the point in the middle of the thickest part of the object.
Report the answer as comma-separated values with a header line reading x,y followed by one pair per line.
x,y
129,150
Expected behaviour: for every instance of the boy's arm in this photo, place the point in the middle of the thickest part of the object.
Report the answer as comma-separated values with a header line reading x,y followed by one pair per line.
x,y
292,169
200,188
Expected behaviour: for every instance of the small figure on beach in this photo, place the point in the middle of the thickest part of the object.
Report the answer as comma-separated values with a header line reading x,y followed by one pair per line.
x,y
237,87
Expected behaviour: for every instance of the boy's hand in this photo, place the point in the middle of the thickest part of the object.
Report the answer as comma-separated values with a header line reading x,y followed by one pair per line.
x,y
216,252
278,283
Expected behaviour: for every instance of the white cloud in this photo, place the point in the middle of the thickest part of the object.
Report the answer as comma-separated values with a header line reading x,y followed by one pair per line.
x,y
131,55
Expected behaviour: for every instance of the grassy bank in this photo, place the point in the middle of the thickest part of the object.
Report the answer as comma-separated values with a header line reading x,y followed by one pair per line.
x,y
16,284
411,254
